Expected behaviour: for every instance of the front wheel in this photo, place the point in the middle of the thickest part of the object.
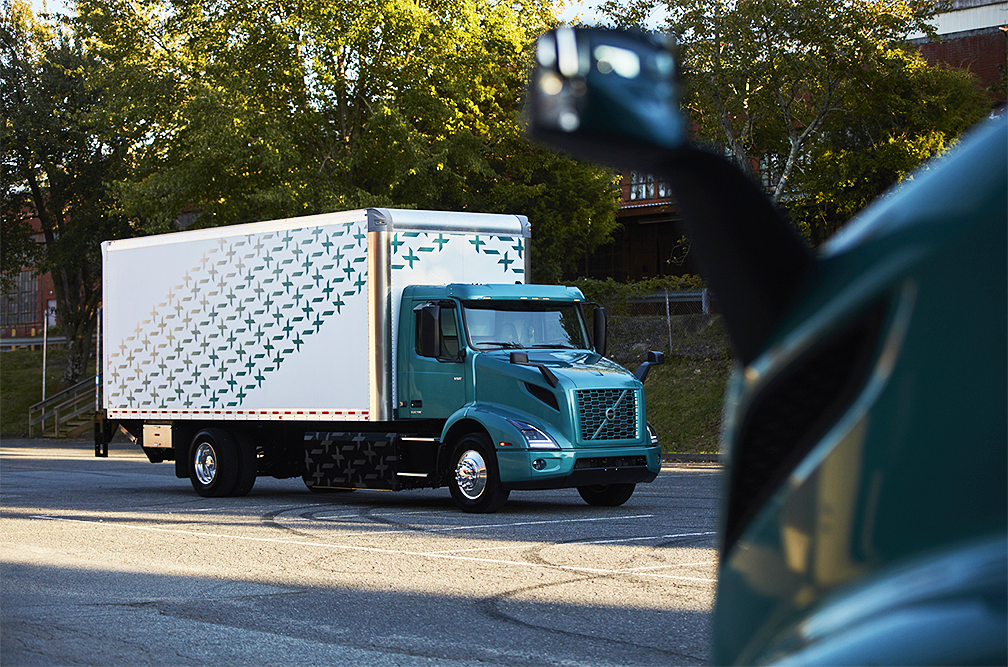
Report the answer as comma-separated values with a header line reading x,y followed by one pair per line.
x,y
474,480
606,495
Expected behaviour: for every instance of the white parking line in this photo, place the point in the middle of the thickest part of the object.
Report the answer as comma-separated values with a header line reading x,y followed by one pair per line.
x,y
543,523
516,545
375,550
413,528
326,518
654,537
671,565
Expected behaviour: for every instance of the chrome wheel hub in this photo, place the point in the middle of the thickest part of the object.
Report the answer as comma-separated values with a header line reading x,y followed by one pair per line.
x,y
471,475
205,464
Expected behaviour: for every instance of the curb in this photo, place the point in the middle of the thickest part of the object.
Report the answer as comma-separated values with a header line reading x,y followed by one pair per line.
x,y
691,458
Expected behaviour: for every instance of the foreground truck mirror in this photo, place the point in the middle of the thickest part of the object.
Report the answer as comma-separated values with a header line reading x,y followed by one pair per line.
x,y
606,95
428,332
653,359
613,96
599,329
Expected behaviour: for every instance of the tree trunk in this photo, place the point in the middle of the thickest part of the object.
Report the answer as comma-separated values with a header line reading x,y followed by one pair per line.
x,y
78,293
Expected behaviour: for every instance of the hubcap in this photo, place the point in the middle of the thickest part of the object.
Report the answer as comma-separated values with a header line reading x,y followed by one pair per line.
x,y
471,475
205,464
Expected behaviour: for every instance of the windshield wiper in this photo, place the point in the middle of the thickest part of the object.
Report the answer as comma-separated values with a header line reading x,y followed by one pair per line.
x,y
508,344
562,346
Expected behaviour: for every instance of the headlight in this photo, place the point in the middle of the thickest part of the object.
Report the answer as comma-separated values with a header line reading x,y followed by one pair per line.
x,y
534,438
653,433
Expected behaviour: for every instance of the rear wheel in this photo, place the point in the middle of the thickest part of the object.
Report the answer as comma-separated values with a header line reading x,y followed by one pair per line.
x,y
474,480
606,495
213,463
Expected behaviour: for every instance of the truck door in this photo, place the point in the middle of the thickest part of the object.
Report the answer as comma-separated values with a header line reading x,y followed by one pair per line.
x,y
434,379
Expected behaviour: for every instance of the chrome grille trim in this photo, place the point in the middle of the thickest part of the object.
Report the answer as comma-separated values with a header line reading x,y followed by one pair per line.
x,y
621,421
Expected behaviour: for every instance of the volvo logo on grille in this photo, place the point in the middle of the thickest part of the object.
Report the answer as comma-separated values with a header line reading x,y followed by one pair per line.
x,y
610,414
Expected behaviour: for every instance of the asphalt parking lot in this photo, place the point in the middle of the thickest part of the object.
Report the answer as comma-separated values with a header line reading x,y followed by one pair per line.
x,y
115,561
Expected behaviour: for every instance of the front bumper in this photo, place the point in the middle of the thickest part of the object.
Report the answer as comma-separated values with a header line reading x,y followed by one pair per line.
x,y
533,470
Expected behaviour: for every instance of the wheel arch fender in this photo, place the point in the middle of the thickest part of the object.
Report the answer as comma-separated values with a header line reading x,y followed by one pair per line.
x,y
512,458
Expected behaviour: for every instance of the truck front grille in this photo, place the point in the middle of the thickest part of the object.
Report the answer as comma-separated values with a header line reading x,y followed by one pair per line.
x,y
607,414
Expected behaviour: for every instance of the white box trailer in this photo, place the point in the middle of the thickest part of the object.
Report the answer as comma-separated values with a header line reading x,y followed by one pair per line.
x,y
229,322
337,347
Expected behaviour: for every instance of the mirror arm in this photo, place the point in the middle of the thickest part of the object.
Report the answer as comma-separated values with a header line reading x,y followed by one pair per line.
x,y
521,359
653,359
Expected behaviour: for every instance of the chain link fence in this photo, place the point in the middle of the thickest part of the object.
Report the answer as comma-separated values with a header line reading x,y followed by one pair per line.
x,y
677,323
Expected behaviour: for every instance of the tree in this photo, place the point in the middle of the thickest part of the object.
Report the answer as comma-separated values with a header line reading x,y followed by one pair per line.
x,y
59,152
763,76
862,151
264,110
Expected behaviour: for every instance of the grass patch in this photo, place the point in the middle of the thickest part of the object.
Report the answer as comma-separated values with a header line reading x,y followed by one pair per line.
x,y
684,399
21,385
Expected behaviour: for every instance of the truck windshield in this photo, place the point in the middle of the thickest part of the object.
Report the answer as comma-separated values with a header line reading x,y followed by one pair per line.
x,y
495,324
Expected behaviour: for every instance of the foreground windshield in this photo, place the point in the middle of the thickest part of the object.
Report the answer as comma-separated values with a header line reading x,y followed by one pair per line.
x,y
493,324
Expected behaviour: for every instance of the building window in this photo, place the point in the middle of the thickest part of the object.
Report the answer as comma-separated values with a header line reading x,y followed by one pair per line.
x,y
646,186
21,306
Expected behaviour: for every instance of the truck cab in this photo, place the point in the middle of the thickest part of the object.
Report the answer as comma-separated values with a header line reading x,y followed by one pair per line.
x,y
513,371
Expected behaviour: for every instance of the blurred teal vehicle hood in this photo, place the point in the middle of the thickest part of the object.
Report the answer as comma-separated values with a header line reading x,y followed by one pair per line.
x,y
865,503
867,444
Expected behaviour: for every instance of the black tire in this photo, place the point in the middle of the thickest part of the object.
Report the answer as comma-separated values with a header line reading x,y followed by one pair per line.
x,y
213,463
248,465
474,479
606,495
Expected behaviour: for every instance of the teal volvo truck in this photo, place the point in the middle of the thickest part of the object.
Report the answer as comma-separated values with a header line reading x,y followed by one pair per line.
x,y
377,349
865,504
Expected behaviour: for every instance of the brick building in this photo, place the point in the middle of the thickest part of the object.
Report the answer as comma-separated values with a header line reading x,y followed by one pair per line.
x,y
973,36
647,245
22,311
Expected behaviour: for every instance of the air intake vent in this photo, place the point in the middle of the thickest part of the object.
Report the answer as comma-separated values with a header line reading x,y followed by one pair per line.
x,y
607,414
792,413
544,395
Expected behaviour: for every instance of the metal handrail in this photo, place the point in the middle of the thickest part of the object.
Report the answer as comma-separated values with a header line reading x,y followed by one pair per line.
x,y
62,407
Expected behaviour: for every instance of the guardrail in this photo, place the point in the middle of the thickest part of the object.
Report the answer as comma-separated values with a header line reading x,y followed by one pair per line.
x,y
70,412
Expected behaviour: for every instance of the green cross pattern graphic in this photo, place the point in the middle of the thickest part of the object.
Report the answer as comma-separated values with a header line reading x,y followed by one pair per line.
x,y
253,301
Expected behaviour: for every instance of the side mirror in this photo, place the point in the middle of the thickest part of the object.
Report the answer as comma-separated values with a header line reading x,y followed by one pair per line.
x,y
607,95
428,330
613,97
599,330
653,359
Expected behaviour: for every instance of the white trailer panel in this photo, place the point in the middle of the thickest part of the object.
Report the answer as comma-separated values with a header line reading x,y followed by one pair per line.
x,y
277,320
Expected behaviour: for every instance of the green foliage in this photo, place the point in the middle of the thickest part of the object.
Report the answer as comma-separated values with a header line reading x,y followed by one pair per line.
x,y
862,153
262,112
765,78
59,152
